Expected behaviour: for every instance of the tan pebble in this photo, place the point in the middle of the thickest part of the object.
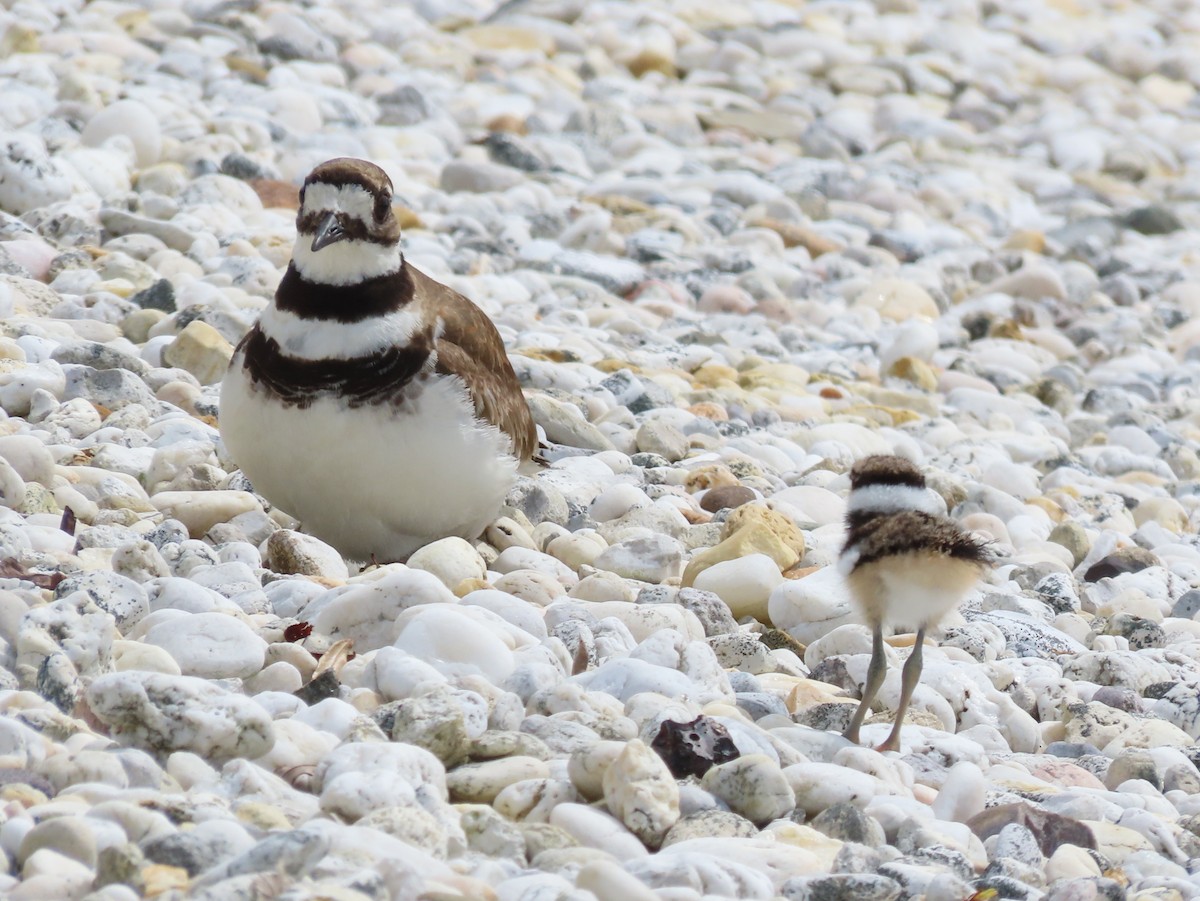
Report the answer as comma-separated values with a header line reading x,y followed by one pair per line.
x,y
507,122
264,816
709,410
795,235
916,372
1166,511
1026,239
466,586
1056,513
159,879
652,61
779,523
201,350
708,477
751,538
276,194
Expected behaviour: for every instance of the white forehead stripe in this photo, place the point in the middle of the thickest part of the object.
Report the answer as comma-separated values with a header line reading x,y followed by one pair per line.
x,y
352,199
323,339
878,498
345,262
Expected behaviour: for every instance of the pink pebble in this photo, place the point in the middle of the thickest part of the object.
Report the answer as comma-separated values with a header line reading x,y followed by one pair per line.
x,y
32,253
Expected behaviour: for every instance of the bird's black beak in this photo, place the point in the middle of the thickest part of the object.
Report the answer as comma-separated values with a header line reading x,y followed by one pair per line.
x,y
329,232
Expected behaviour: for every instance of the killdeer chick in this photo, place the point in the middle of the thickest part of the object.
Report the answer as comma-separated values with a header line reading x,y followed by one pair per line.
x,y
372,403
904,562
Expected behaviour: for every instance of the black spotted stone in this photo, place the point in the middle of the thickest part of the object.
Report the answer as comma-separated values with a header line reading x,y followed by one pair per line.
x,y
692,749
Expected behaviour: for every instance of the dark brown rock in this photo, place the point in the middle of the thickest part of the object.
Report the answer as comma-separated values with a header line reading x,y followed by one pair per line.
x,y
1126,560
726,496
1050,829
692,749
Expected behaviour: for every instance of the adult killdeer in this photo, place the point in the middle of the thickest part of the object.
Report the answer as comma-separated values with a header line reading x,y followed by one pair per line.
x,y
904,562
369,401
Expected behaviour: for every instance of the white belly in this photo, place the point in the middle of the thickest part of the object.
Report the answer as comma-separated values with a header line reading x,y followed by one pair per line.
x,y
912,589
374,480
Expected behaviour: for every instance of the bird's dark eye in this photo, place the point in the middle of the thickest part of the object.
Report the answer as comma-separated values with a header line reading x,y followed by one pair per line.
x,y
383,203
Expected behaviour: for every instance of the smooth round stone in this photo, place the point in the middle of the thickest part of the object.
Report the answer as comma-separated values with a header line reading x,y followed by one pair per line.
x,y
577,549
745,584
199,511
710,823
480,783
132,120
478,177
726,497
12,486
518,558
439,719
595,829
163,713
137,655
455,641
753,786
29,457
587,767
641,792
609,882
537,588
355,794
962,794
69,836
514,610
294,553
898,300
656,436
649,558
29,179
366,610
453,560
616,501
813,606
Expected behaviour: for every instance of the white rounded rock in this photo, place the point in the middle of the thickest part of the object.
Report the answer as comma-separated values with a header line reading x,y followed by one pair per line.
x,y
164,713
132,120
753,786
210,645
366,610
453,560
455,641
29,457
811,607
640,791
744,584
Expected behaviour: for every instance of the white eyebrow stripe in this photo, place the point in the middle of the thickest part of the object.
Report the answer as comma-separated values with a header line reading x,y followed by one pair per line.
x,y
352,199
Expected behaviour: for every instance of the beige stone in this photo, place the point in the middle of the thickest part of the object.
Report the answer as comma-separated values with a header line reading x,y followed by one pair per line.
x,y
508,37
781,524
915,371
752,538
897,299
1166,511
201,350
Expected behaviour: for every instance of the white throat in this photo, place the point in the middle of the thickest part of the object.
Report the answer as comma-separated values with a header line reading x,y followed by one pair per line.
x,y
346,262
887,499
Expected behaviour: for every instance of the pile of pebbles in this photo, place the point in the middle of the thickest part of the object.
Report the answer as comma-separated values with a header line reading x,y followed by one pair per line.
x,y
732,247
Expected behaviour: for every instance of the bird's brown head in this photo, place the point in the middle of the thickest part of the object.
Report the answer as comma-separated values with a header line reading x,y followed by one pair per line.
x,y
346,230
